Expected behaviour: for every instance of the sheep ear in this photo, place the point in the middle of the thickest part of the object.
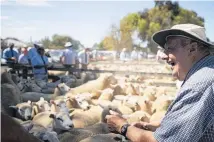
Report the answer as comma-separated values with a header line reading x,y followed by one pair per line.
x,y
29,102
13,107
146,101
42,99
52,102
71,110
52,116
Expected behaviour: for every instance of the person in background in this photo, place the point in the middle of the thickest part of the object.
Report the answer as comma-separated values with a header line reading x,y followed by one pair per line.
x,y
94,53
23,59
32,52
69,56
40,66
83,57
134,54
124,55
10,54
39,63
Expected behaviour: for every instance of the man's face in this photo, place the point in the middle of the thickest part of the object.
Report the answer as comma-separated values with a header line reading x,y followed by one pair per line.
x,y
41,51
177,56
11,46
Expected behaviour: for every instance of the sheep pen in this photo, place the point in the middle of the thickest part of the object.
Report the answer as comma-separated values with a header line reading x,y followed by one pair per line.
x,y
75,110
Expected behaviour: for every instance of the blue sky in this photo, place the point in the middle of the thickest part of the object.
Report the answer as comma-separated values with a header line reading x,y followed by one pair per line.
x,y
86,21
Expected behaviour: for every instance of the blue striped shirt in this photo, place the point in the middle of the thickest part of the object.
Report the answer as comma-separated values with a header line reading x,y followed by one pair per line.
x,y
37,60
190,117
7,53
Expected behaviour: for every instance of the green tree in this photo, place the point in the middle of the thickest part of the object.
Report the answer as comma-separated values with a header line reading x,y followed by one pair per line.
x,y
58,41
164,15
101,46
46,42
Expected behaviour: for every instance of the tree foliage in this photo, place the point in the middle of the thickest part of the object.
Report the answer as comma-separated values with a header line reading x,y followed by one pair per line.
x,y
163,15
58,42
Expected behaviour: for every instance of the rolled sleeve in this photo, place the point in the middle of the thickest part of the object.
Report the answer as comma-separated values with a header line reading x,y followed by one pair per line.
x,y
187,118
5,54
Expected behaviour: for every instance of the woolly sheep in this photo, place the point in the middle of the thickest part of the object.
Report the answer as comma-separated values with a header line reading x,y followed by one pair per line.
x,y
56,121
23,111
14,132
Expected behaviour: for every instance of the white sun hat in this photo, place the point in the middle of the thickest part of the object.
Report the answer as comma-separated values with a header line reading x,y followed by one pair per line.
x,y
68,44
191,31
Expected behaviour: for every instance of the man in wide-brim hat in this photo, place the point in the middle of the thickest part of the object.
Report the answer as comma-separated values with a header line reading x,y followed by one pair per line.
x,y
190,117
69,56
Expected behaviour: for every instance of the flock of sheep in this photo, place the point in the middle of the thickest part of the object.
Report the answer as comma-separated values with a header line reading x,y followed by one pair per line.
x,y
75,110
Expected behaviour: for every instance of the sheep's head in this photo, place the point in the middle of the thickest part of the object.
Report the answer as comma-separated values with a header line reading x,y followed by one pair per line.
x,y
43,104
58,106
61,121
23,110
33,87
83,101
63,87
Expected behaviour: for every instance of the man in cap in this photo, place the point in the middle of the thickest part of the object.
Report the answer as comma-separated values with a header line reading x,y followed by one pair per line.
x,y
190,117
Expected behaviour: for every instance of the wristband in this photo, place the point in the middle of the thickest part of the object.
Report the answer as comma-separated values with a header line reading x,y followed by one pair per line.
x,y
124,129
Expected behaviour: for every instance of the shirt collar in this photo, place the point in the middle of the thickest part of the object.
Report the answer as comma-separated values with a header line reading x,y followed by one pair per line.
x,y
205,61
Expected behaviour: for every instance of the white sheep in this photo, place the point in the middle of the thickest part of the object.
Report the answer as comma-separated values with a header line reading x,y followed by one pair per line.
x,y
23,111
53,121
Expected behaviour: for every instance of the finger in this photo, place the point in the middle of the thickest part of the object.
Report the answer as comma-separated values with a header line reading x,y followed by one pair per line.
x,y
113,112
135,123
108,116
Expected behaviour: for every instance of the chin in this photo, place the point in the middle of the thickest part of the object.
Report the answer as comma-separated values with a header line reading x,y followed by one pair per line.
x,y
178,77
175,75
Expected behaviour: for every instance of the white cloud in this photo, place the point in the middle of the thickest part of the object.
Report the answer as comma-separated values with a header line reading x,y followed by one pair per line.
x,y
34,3
4,17
24,29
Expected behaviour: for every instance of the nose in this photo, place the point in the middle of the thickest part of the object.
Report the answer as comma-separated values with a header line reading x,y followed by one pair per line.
x,y
28,117
71,126
88,107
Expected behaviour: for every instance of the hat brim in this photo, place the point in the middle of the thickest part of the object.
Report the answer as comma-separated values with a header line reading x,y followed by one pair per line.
x,y
69,45
160,37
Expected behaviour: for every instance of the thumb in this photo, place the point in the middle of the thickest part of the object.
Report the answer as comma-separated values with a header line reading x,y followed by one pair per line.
x,y
113,112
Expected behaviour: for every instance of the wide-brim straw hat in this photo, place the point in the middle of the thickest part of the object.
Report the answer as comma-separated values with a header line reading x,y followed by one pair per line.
x,y
191,31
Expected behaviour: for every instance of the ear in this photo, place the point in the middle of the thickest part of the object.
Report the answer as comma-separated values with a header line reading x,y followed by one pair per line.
x,y
14,107
29,102
193,48
42,99
52,116
146,101
52,102
71,110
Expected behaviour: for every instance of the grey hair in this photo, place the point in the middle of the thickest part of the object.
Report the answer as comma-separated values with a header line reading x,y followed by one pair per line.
x,y
202,47
184,40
